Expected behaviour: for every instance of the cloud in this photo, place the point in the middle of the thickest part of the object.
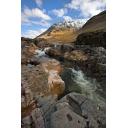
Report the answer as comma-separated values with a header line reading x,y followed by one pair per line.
x,y
39,2
36,12
87,7
59,12
67,18
33,33
41,17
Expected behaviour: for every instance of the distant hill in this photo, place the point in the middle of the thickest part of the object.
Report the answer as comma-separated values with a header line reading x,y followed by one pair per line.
x,y
63,32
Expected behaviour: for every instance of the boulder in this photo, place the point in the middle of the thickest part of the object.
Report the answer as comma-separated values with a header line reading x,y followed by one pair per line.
x,y
55,83
52,65
46,102
66,118
35,78
93,113
53,52
76,55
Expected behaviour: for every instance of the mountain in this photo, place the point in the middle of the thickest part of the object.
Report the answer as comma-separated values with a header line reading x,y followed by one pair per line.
x,y
63,32
93,33
96,23
78,31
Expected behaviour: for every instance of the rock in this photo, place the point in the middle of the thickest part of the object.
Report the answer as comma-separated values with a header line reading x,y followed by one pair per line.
x,y
91,111
100,50
54,52
37,118
74,100
36,79
66,118
52,65
57,50
47,107
67,48
46,102
34,61
24,59
85,108
27,121
55,83
27,52
63,105
76,55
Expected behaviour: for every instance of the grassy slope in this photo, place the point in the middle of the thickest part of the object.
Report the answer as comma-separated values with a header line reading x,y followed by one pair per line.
x,y
96,23
62,36
69,35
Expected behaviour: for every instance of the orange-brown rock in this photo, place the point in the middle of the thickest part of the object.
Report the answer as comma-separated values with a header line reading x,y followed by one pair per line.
x,y
76,55
52,65
55,83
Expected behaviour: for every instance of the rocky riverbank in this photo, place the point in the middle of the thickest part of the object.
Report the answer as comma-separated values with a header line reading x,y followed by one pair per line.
x,y
64,85
42,87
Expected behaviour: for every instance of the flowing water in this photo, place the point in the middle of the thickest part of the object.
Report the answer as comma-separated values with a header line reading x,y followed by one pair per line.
x,y
76,80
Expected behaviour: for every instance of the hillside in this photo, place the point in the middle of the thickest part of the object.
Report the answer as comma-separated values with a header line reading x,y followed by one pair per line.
x,y
63,32
96,23
93,33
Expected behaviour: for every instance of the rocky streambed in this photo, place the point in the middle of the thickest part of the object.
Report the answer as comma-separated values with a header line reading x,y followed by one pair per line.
x,y
63,87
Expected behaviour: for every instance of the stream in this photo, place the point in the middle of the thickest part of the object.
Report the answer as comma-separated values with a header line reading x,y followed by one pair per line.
x,y
75,79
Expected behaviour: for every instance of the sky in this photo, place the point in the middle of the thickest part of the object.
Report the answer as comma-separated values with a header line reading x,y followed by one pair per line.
x,y
38,15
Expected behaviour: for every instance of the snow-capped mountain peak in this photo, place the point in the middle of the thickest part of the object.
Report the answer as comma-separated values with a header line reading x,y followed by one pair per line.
x,y
77,24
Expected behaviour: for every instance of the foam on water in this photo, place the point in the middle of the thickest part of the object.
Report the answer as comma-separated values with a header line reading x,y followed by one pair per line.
x,y
39,53
88,86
